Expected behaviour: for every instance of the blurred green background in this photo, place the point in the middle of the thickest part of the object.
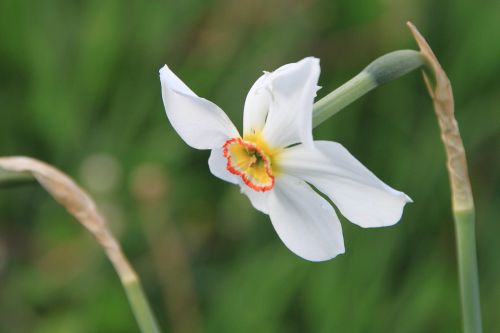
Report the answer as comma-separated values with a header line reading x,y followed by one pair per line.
x,y
79,88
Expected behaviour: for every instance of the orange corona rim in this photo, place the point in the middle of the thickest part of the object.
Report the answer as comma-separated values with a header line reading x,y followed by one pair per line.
x,y
247,160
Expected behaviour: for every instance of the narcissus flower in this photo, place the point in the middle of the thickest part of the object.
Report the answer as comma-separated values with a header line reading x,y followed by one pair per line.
x,y
276,162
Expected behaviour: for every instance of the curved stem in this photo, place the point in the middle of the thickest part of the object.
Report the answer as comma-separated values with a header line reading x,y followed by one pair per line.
x,y
382,70
439,88
8,178
342,97
79,204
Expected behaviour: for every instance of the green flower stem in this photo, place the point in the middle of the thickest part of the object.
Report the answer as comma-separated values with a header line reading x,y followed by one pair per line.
x,y
342,96
467,269
382,70
140,306
11,178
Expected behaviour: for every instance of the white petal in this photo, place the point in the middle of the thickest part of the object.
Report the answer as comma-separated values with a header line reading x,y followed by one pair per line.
x,y
217,163
359,195
257,105
304,221
293,88
200,123
258,199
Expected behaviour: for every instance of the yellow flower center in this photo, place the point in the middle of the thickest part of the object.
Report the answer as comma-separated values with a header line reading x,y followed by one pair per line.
x,y
251,159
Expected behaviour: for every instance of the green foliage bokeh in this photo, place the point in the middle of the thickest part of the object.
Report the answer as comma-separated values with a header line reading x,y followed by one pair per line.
x,y
79,89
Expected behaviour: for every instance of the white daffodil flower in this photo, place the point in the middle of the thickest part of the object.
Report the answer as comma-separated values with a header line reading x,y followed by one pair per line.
x,y
276,159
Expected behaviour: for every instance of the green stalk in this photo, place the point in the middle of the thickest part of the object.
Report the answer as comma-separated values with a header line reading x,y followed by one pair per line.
x,y
439,88
382,70
467,268
140,306
342,97
12,178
